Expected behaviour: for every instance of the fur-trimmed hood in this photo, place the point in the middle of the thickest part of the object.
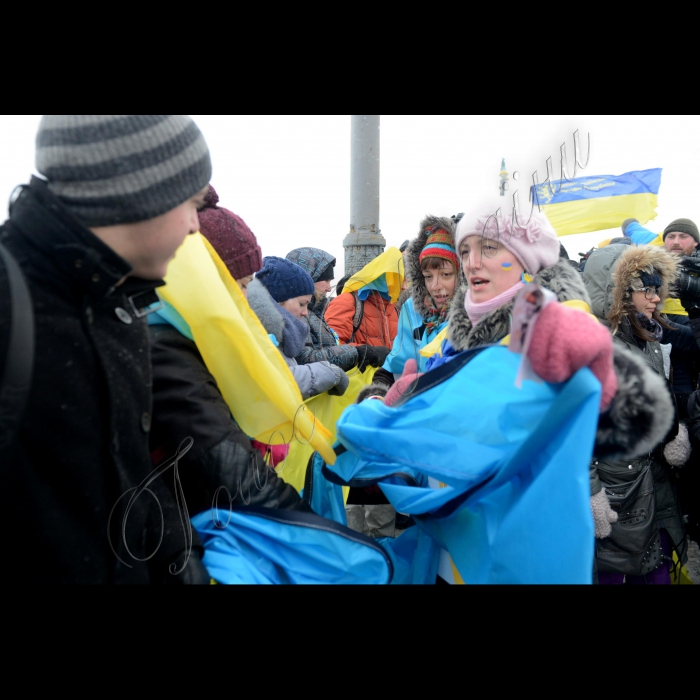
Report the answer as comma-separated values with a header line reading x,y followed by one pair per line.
x,y
418,288
612,270
561,278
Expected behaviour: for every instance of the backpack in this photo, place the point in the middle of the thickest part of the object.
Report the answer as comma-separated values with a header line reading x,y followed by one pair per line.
x,y
16,375
359,313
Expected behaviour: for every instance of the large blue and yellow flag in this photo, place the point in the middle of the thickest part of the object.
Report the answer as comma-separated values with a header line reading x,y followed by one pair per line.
x,y
599,202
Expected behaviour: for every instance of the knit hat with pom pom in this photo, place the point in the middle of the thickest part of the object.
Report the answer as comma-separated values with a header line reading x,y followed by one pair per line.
x,y
284,279
230,237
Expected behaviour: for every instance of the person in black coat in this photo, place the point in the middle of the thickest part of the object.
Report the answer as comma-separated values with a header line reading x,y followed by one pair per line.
x,y
223,467
93,240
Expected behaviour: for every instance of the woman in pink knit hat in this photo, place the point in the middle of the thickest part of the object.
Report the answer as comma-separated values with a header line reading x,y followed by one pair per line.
x,y
504,258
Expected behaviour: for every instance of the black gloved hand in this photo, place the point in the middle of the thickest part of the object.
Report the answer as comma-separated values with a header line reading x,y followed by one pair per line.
x,y
371,356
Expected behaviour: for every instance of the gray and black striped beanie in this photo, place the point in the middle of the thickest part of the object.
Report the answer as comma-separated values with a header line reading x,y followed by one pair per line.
x,y
121,168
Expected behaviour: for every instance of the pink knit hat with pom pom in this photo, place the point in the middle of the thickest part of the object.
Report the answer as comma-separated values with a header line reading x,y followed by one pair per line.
x,y
230,237
530,237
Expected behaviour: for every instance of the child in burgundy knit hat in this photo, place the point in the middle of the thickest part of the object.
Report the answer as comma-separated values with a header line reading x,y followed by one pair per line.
x,y
231,238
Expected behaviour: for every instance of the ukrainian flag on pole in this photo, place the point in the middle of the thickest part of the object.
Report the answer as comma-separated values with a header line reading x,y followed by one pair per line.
x,y
599,202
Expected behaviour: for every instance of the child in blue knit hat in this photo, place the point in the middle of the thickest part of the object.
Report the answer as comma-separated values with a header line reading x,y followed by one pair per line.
x,y
280,296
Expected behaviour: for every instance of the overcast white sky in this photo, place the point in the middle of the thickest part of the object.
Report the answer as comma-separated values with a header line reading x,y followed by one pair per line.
x,y
289,176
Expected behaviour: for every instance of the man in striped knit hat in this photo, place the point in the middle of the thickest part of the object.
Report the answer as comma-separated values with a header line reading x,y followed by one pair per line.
x,y
93,237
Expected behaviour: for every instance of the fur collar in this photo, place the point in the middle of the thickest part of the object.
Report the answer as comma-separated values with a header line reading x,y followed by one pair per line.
x,y
561,278
418,288
266,309
633,261
612,270
319,304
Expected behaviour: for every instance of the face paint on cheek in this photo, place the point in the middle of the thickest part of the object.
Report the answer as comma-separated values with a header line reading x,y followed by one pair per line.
x,y
506,265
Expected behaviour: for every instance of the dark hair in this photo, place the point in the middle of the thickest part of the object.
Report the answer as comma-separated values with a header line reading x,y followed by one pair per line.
x,y
341,283
434,263
638,329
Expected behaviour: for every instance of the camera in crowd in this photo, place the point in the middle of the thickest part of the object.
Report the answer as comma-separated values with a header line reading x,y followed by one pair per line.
x,y
687,285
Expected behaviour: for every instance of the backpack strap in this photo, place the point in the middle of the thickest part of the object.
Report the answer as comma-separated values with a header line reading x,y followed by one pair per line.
x,y
19,363
357,318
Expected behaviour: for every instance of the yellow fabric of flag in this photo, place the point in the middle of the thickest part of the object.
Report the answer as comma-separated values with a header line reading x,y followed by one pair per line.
x,y
389,264
601,213
327,409
250,372
673,306
598,202
435,345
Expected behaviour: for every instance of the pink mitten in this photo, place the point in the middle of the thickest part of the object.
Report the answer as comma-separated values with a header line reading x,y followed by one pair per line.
x,y
564,340
405,384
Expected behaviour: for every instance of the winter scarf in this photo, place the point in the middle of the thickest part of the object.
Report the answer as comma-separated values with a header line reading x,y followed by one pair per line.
x,y
651,325
295,332
476,311
435,316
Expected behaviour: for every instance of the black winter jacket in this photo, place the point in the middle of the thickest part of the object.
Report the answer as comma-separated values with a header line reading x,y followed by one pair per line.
x,y
82,447
321,343
187,403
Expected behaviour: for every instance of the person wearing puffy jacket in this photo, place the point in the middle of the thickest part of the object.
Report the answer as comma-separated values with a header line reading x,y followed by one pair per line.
x,y
280,295
374,334
433,269
626,285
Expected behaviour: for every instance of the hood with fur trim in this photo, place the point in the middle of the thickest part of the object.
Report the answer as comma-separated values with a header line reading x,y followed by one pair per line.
x,y
611,271
413,272
561,278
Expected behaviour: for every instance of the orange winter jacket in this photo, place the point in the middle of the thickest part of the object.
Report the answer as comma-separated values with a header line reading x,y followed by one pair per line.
x,y
379,323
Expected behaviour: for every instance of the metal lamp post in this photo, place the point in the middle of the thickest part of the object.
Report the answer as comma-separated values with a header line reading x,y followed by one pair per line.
x,y
364,241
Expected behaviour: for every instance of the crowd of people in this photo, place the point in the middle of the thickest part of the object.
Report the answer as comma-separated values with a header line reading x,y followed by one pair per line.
x,y
105,377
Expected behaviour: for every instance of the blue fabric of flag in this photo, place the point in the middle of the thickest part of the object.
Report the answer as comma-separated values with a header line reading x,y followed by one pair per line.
x,y
378,285
639,235
514,464
253,545
598,202
406,346
594,186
